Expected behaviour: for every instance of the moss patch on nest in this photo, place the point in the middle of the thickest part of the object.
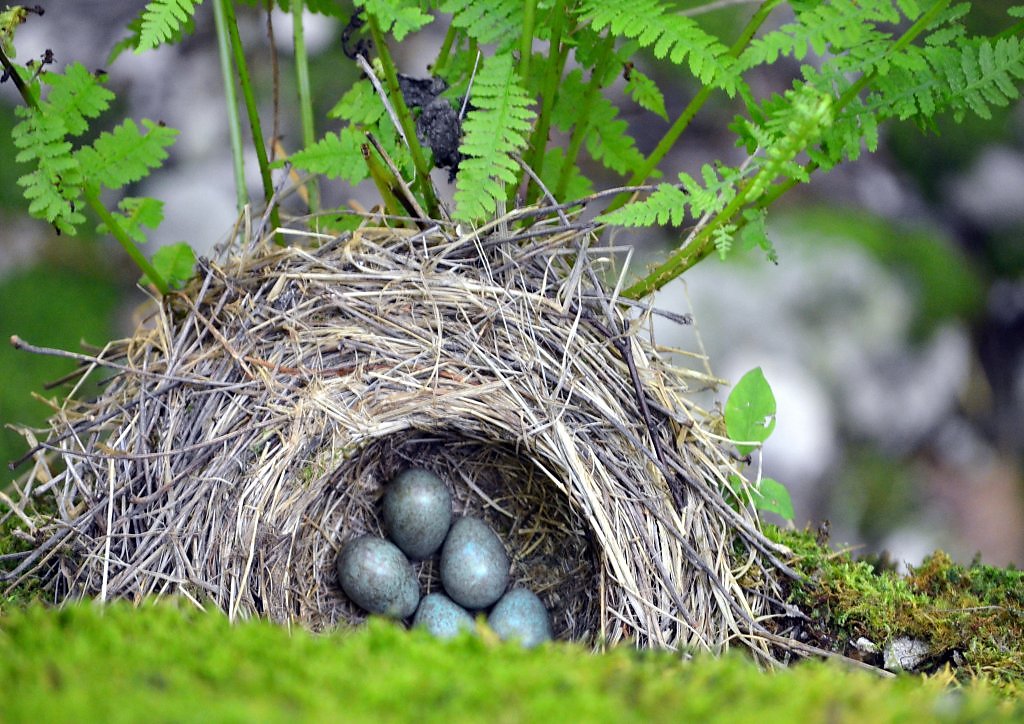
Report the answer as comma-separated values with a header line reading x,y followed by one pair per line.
x,y
172,662
970,617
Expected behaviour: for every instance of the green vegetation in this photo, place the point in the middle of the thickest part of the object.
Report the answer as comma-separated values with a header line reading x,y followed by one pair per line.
x,y
971,617
171,662
877,60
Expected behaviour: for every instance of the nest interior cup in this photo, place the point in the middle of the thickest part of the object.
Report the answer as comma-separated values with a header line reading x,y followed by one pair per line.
x,y
249,425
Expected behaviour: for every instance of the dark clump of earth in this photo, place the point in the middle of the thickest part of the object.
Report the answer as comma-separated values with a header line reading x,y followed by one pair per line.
x,y
438,124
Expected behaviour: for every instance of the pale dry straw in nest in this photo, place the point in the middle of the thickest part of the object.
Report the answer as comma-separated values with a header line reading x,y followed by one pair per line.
x,y
250,424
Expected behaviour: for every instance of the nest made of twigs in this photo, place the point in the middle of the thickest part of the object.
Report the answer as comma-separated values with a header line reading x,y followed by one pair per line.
x,y
250,424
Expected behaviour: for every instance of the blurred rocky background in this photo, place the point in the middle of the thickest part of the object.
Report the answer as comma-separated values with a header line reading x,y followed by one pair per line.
x,y
892,329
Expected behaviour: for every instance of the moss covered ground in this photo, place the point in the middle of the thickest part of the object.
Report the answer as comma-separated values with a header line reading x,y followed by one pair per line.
x,y
970,617
169,662
165,660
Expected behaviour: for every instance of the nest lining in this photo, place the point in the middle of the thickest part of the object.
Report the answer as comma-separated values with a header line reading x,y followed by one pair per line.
x,y
251,422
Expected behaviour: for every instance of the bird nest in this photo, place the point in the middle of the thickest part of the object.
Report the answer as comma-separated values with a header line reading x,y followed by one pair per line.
x,y
247,429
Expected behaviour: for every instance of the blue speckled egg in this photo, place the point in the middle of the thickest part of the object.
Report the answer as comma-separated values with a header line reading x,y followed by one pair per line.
x,y
378,578
520,615
474,565
441,616
417,512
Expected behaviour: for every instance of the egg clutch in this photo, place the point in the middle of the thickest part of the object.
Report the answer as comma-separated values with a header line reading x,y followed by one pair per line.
x,y
377,575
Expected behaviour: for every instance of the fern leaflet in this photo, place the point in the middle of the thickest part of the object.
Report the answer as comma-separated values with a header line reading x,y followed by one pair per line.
x,y
76,96
399,17
54,183
654,24
924,81
136,212
666,205
126,155
360,104
645,93
336,155
163,20
494,130
487,21
577,185
670,203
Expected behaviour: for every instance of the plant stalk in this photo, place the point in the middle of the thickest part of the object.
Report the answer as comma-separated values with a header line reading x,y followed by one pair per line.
x,y
305,97
668,141
553,70
23,90
702,245
441,61
579,131
231,99
92,197
423,182
252,110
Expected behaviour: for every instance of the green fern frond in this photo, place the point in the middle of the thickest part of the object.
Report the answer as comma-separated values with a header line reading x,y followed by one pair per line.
x,y
655,24
606,138
830,27
795,130
671,203
665,206
487,21
399,17
360,104
54,183
981,73
163,20
715,193
134,28
494,130
136,213
577,184
336,155
721,237
645,93
125,155
76,96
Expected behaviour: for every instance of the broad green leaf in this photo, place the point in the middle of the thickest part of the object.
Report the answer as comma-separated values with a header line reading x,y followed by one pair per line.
x,y
750,411
772,496
174,263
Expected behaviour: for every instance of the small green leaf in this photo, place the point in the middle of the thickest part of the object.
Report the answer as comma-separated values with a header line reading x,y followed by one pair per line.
x,y
174,263
750,411
336,155
135,214
772,496
645,93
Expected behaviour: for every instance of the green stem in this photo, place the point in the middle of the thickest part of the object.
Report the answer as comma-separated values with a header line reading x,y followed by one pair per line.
x,y
442,55
668,141
526,39
702,245
231,98
92,197
258,142
305,97
423,182
26,93
579,131
553,70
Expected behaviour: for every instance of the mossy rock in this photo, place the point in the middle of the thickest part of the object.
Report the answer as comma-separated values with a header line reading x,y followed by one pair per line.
x,y
970,619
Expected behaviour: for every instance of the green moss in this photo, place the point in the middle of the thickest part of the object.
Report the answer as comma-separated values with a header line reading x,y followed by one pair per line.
x,y
169,662
972,617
